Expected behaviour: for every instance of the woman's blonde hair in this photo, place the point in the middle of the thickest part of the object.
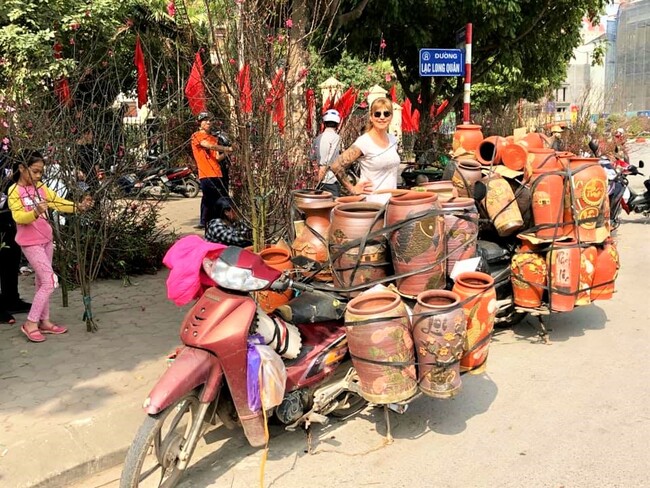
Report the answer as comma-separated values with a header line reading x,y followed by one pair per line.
x,y
382,102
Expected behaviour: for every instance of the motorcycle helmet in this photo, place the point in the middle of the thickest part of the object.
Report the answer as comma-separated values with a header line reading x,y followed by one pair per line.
x,y
203,116
332,115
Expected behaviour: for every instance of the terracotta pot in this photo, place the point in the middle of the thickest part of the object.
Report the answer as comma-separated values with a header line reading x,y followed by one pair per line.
x,y
514,156
477,291
461,229
467,173
563,158
536,140
501,206
310,196
541,159
350,199
564,262
548,204
528,276
589,185
279,259
417,244
443,188
490,150
587,269
607,266
439,334
467,137
312,240
352,221
386,339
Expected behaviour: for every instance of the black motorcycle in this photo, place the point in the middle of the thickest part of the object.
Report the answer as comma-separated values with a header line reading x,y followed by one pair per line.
x,y
621,196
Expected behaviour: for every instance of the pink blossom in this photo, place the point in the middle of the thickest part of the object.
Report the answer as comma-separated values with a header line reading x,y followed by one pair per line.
x,y
5,124
110,53
5,140
280,38
269,39
5,147
171,8
303,73
71,41
387,77
288,23
232,61
87,13
75,25
382,45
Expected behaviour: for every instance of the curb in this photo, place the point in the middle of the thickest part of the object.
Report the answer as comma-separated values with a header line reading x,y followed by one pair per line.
x,y
83,470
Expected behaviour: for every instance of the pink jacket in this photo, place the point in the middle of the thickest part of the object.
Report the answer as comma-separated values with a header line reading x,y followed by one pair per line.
x,y
185,260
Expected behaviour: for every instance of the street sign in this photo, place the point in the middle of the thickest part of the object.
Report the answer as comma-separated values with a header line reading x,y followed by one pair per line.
x,y
442,62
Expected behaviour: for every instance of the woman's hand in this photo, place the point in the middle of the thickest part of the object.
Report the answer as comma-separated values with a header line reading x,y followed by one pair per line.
x,y
364,187
40,208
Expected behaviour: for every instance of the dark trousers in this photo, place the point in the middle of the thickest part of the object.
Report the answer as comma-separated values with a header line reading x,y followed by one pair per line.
x,y
9,267
333,188
212,189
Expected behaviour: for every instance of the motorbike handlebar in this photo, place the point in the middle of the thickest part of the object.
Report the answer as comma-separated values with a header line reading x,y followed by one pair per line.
x,y
284,282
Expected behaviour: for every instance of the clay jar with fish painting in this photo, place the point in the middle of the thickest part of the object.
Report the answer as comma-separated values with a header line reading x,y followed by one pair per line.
x,y
379,337
418,243
439,336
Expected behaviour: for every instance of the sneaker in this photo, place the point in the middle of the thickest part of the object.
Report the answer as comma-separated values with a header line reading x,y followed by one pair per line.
x,y
6,318
200,226
19,306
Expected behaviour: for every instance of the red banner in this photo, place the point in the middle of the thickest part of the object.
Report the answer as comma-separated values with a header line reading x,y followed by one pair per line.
x,y
244,84
194,89
143,82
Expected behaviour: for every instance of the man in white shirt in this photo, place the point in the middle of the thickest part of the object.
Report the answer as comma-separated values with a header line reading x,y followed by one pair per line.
x,y
325,149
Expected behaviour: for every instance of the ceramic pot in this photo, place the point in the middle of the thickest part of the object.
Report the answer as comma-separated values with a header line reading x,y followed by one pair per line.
x,y
467,137
477,292
467,173
442,188
563,158
587,269
583,200
354,266
461,230
439,335
501,206
280,259
564,262
607,266
378,334
536,140
528,276
490,150
301,197
541,159
417,244
312,240
350,199
548,204
514,156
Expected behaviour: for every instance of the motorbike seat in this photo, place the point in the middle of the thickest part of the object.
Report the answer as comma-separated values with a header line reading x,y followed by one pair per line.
x,y
171,171
492,252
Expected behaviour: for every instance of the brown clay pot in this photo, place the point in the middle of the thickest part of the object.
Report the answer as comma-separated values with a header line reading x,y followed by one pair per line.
x,y
461,229
417,244
467,137
477,291
350,199
490,150
352,221
501,206
588,257
301,197
548,203
467,173
514,156
541,159
443,188
607,266
528,275
536,140
589,185
439,335
564,261
312,240
280,259
563,158
375,345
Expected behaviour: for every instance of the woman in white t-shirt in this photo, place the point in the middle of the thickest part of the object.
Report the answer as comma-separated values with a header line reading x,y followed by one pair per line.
x,y
376,151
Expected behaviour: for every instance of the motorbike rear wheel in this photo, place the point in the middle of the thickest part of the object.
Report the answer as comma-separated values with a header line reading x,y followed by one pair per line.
x,y
192,188
152,459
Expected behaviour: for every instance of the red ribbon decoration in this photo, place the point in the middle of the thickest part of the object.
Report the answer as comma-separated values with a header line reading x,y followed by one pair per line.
x,y
244,85
194,89
143,82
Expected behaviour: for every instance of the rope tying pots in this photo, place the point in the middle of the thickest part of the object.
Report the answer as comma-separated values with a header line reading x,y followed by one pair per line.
x,y
379,338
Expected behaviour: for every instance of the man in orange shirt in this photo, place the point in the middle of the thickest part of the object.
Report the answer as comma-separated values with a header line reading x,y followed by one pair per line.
x,y
207,154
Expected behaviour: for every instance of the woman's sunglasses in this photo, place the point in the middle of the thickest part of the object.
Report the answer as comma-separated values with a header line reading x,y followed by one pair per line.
x,y
385,113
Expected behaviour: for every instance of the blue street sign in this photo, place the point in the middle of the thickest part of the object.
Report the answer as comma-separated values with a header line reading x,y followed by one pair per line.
x,y
442,62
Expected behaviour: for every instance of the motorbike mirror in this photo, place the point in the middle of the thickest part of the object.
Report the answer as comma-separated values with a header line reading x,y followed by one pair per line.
x,y
641,164
480,190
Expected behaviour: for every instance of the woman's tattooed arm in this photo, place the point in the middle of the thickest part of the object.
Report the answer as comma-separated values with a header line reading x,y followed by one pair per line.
x,y
343,162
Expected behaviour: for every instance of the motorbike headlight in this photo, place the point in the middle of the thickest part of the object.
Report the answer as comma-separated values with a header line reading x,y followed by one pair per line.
x,y
235,278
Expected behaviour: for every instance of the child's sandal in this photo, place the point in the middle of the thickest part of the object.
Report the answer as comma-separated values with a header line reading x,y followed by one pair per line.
x,y
54,329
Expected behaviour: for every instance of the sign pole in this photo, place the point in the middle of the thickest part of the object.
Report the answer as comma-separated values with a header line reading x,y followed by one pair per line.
x,y
468,73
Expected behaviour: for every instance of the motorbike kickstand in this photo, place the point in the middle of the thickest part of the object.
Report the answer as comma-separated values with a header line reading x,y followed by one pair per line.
x,y
389,435
542,331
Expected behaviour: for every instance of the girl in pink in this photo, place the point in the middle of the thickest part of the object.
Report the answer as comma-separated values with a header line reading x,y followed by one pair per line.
x,y
29,201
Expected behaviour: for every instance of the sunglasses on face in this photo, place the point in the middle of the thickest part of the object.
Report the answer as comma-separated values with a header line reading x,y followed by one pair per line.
x,y
385,113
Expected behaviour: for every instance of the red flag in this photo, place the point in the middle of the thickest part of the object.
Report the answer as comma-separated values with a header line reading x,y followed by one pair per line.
x,y
244,84
277,99
61,86
194,89
310,97
142,73
393,94
346,102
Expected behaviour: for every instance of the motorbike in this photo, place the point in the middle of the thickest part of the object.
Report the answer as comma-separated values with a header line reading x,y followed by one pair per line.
x,y
621,196
207,381
146,183
179,179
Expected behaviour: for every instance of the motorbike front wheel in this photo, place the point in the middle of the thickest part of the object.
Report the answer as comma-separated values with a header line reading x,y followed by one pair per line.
x,y
152,459
192,188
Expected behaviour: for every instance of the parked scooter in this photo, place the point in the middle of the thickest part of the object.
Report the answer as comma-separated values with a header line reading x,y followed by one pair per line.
x,y
208,379
621,196
180,179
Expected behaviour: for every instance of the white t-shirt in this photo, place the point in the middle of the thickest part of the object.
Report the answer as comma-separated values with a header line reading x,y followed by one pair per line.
x,y
327,148
379,165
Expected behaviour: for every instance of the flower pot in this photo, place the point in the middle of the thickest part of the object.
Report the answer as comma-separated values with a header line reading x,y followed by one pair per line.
x,y
280,259
501,206
564,261
467,137
528,276
439,335
461,229
477,291
417,244
312,240
583,201
606,272
548,204
588,257
379,339
514,156
467,172
490,150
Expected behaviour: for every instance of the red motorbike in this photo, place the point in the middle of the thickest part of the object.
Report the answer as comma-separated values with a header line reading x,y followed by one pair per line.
x,y
207,381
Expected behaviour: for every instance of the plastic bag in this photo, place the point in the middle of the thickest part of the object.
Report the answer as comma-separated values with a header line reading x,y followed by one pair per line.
x,y
253,377
273,376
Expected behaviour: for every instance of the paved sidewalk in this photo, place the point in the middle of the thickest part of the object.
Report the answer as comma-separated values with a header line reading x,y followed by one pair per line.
x,y
71,406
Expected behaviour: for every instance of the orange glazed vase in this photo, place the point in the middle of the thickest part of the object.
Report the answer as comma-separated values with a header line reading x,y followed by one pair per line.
x,y
528,276
584,199
607,266
378,334
548,204
587,269
490,150
564,262
477,291
280,259
467,137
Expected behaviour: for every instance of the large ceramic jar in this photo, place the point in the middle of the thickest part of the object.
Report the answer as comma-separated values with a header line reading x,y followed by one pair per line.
x,y
461,229
515,156
583,200
548,203
467,137
443,188
564,261
301,197
354,265
536,140
312,240
476,292
439,333
502,207
528,276
380,343
588,257
280,259
418,242
467,173
541,160
607,266
490,150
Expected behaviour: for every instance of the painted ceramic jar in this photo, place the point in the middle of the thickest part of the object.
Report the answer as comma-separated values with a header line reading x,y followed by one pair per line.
x,y
528,276
467,137
501,206
607,266
588,256
467,172
378,333
461,230
490,150
583,200
439,334
418,243
564,262
280,259
541,160
476,292
312,240
548,203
